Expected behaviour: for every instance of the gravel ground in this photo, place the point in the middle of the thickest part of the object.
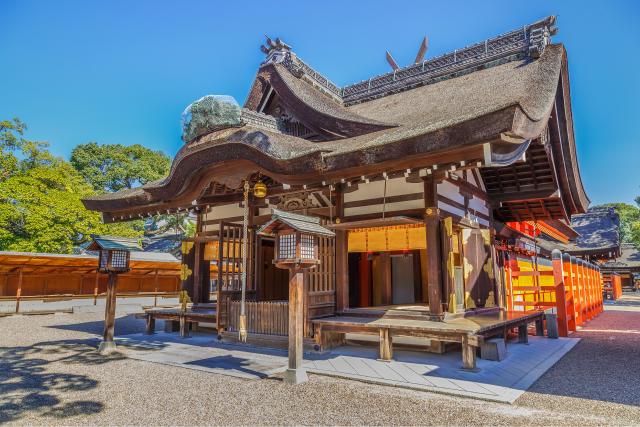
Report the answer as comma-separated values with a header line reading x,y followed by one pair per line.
x,y
50,374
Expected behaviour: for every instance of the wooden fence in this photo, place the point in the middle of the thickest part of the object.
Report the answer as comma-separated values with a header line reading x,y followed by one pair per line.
x,y
263,317
571,286
611,286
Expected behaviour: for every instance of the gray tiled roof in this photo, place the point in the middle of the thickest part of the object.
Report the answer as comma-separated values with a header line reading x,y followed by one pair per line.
x,y
599,230
302,223
630,258
115,243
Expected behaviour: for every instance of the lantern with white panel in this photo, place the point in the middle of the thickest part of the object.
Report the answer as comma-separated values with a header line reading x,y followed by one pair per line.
x,y
296,249
114,255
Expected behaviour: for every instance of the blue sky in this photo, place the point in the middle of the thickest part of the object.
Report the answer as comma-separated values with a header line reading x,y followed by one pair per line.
x,y
123,71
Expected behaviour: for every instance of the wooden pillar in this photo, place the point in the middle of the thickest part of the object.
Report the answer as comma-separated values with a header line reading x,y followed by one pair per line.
x,y
151,325
107,345
3,285
434,255
386,345
559,283
385,280
19,291
95,289
570,292
468,354
295,373
155,288
364,273
197,277
342,256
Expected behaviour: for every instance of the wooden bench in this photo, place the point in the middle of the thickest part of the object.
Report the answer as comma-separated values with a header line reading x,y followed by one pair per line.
x,y
469,332
192,317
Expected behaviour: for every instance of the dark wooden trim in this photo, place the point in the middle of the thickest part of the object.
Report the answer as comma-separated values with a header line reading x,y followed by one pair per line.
x,y
381,200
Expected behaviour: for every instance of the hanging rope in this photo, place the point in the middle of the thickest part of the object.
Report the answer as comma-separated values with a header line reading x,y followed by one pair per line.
x,y
330,204
384,198
242,330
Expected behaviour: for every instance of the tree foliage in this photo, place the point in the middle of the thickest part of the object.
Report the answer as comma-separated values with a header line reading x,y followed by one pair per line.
x,y
629,221
40,199
113,167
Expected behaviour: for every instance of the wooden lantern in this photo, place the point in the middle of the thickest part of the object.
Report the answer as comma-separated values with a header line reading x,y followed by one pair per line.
x,y
114,254
296,249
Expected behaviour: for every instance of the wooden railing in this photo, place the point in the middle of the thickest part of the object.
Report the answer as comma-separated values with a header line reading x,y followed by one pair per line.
x,y
263,317
569,285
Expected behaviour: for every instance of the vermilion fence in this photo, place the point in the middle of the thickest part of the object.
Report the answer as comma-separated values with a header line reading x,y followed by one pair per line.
x,y
571,286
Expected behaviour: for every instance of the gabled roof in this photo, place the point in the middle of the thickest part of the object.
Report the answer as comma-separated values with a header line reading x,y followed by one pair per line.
x,y
302,223
114,243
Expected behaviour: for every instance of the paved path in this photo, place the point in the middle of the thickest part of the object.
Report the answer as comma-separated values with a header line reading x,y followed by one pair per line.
x,y
501,381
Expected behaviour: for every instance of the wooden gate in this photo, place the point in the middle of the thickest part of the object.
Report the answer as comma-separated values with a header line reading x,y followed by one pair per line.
x,y
229,261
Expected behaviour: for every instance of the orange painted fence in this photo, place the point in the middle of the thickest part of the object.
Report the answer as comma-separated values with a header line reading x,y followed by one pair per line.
x,y
571,286
611,286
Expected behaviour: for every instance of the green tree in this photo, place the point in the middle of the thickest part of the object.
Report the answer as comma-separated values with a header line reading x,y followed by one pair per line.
x,y
18,154
113,167
40,199
629,221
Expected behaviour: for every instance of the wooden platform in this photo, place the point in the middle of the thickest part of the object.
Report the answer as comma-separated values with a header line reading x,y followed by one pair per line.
x,y
468,331
192,316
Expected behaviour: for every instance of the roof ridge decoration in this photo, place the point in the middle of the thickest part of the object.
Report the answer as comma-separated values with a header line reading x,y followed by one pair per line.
x,y
279,52
528,41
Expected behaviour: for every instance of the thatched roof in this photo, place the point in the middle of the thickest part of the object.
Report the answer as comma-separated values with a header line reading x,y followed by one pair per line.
x,y
489,96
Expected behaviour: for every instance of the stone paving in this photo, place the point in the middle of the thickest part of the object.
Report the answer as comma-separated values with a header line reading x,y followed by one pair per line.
x,y
501,381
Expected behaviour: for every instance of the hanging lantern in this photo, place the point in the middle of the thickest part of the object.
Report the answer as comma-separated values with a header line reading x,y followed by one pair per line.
x,y
260,190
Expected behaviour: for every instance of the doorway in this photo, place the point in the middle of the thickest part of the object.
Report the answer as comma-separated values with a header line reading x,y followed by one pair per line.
x,y
273,282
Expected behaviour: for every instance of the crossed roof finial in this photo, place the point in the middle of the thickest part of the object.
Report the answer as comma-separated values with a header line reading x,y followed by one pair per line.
x,y
419,56
271,45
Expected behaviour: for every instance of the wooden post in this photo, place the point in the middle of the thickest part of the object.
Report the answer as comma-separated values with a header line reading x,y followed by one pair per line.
x,y
385,267
19,291
570,289
561,302
434,258
3,286
197,285
151,325
108,346
523,334
342,257
95,289
386,346
155,288
577,301
295,374
468,354
364,272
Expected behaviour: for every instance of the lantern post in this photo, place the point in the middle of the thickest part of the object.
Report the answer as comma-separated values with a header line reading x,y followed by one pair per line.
x,y
114,255
296,249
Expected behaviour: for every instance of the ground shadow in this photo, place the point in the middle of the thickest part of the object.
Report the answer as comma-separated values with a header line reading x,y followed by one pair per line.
x,y
27,385
251,367
125,325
